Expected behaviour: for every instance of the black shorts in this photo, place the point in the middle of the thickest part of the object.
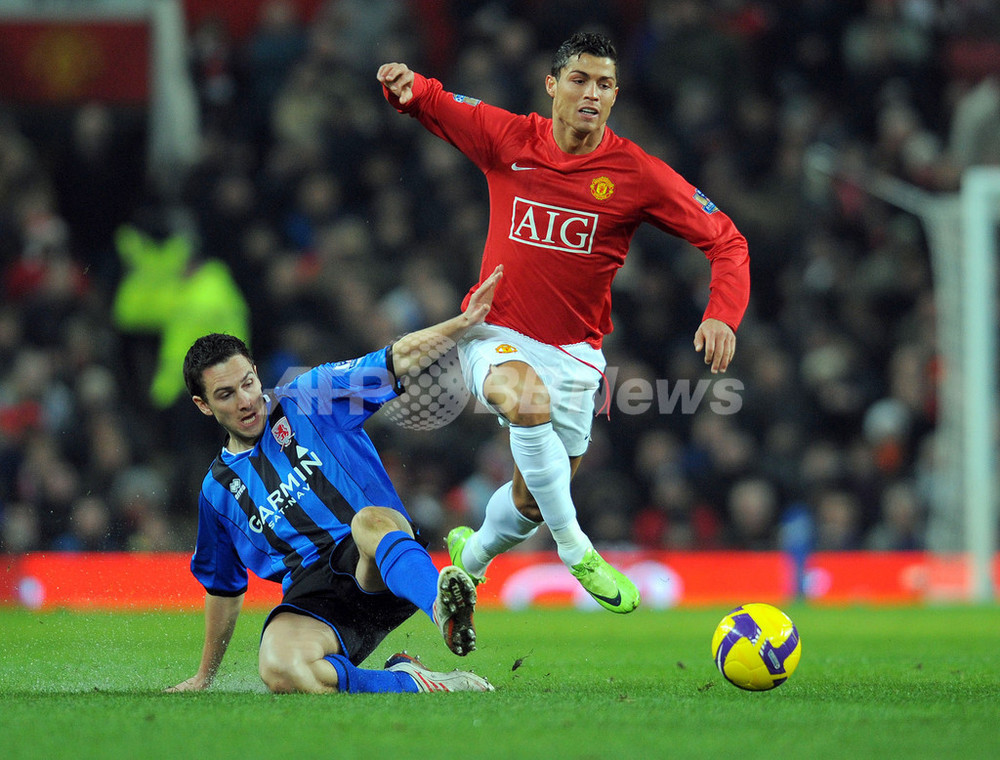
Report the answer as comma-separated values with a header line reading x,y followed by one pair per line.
x,y
328,590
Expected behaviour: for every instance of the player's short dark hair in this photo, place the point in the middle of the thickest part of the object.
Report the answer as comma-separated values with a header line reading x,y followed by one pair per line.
x,y
206,352
593,43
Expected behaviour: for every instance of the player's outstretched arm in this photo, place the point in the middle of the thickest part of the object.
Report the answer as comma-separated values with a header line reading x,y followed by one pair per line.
x,y
718,341
221,613
419,349
397,79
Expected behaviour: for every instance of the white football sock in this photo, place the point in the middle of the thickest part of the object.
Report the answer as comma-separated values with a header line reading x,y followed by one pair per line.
x,y
504,527
544,465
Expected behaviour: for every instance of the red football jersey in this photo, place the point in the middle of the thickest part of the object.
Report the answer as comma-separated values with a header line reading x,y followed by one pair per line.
x,y
561,224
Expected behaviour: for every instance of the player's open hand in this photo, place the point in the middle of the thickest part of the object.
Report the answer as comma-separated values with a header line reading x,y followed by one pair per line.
x,y
718,341
397,79
481,299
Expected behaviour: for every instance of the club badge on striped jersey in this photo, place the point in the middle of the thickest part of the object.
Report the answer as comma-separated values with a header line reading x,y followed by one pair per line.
x,y
282,432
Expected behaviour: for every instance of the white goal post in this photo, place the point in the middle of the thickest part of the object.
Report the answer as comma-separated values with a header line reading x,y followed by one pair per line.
x,y
980,200
962,231
174,120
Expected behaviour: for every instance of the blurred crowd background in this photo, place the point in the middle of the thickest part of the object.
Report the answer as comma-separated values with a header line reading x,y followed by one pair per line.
x,y
320,224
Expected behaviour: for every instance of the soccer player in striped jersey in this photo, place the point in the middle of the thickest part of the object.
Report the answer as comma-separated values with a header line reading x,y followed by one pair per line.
x,y
299,496
566,196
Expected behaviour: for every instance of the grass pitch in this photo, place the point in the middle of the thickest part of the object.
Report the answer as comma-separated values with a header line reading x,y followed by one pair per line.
x,y
872,682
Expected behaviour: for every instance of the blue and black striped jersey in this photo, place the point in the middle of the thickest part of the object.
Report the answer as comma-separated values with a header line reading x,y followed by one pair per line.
x,y
276,508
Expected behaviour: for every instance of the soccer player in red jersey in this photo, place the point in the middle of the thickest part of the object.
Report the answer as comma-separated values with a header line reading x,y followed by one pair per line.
x,y
566,196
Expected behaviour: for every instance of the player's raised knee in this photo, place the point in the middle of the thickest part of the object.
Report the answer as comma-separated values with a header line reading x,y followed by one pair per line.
x,y
518,393
377,521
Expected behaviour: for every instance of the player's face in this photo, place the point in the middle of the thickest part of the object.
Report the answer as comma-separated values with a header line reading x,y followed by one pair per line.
x,y
583,94
234,396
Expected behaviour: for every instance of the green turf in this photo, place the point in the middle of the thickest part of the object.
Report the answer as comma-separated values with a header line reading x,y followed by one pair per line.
x,y
872,683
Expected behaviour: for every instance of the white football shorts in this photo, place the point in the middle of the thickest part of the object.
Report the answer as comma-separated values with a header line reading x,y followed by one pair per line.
x,y
572,375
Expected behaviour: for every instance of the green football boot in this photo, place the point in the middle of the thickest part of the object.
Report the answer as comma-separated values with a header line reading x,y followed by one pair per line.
x,y
456,543
612,590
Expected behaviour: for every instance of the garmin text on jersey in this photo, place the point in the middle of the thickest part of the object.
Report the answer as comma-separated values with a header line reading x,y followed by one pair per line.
x,y
289,491
552,227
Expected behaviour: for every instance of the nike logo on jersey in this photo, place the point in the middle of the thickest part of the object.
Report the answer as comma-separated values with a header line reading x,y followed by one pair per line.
x,y
518,168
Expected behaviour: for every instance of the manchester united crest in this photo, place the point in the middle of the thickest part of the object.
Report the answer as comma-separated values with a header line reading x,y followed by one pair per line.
x,y
602,188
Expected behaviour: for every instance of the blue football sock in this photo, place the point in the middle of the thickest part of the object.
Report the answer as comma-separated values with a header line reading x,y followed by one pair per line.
x,y
408,570
354,680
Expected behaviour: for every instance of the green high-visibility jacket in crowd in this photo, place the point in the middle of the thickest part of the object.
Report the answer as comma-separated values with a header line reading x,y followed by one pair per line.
x,y
163,292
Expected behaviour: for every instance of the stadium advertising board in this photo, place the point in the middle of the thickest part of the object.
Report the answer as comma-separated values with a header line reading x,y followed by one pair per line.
x,y
50,580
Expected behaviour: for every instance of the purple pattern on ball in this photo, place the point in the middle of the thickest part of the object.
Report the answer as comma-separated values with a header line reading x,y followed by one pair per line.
x,y
744,626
